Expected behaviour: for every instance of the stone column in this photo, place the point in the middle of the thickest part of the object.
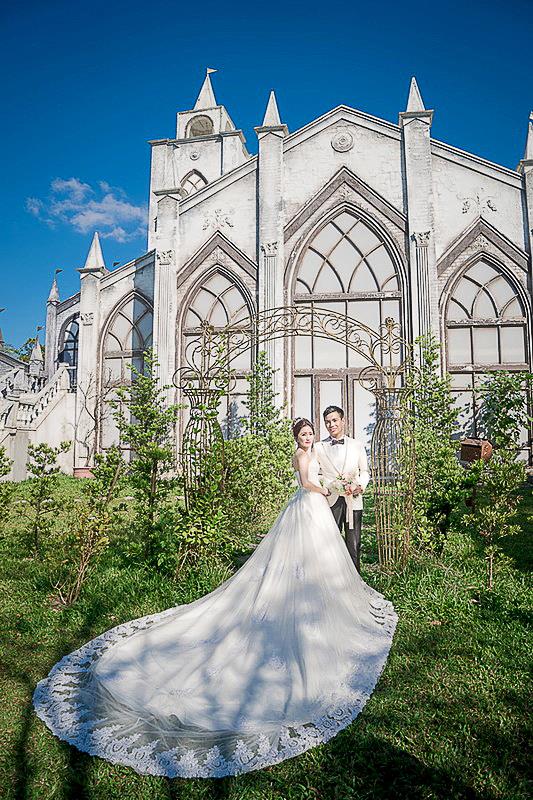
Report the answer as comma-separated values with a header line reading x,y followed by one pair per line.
x,y
526,168
415,123
87,374
270,224
51,337
165,289
422,243
267,287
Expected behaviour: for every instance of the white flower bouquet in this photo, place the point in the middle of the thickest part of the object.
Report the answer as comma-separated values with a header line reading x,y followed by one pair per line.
x,y
345,484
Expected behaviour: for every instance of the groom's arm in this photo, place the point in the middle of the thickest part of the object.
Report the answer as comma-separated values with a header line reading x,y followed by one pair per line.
x,y
364,475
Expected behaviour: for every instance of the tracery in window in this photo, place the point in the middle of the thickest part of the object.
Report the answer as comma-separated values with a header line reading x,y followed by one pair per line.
x,y
486,329
68,353
127,336
200,125
347,268
220,302
485,321
193,181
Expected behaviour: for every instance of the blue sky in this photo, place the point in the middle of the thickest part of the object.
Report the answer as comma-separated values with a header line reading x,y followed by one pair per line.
x,y
87,84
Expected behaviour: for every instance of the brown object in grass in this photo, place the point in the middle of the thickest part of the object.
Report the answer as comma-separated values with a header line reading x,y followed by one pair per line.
x,y
474,449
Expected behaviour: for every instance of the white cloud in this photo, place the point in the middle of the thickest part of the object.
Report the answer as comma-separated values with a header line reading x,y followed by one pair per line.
x,y
72,187
34,206
86,209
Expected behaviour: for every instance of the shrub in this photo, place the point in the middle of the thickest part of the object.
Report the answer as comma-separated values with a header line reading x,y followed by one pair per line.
x,y
90,526
6,487
258,476
147,425
42,506
440,483
504,409
504,413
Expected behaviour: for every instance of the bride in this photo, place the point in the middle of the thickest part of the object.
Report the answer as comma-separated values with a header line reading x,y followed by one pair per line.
x,y
279,658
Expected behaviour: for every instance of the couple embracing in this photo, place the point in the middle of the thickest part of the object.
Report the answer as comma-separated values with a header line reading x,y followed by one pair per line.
x,y
343,467
279,658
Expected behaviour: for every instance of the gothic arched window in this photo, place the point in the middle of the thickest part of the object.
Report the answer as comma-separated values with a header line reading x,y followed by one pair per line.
x,y
222,303
347,268
193,181
200,125
68,353
486,329
128,335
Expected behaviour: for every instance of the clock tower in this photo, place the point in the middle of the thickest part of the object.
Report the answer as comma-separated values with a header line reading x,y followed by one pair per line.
x,y
207,145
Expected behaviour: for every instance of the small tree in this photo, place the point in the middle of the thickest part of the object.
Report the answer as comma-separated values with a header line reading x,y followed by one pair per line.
x,y
147,425
258,471
6,487
42,505
25,350
504,408
497,498
88,533
263,414
504,413
440,483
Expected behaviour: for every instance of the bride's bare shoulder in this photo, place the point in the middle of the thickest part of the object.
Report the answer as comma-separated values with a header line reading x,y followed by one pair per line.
x,y
298,456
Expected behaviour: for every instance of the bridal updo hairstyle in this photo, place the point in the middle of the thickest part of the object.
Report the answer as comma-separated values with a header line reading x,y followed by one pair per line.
x,y
298,425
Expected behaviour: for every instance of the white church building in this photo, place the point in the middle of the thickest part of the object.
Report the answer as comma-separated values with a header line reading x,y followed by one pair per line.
x,y
349,213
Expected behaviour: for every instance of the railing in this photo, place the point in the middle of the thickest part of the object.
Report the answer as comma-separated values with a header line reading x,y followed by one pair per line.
x,y
31,406
13,379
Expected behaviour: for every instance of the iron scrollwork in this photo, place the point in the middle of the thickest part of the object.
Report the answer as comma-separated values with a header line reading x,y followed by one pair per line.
x,y
207,376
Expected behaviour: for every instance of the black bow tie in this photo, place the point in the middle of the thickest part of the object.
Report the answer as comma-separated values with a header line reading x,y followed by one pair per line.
x,y
337,441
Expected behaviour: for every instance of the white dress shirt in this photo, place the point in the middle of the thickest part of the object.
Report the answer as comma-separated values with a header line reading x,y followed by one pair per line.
x,y
336,452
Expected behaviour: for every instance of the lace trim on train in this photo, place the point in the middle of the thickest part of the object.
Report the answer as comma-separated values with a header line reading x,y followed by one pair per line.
x,y
55,700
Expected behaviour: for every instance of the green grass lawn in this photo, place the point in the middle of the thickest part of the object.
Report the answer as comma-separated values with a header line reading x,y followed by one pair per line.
x,y
447,720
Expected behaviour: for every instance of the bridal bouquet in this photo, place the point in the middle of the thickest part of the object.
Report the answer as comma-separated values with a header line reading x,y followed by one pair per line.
x,y
344,482
341,485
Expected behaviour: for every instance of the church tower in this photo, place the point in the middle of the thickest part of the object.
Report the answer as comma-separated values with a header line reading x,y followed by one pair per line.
x,y
207,145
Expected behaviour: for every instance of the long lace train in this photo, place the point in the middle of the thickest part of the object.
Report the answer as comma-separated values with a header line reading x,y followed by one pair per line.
x,y
276,660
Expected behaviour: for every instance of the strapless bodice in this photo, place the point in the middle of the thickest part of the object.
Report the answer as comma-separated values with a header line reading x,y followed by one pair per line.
x,y
312,473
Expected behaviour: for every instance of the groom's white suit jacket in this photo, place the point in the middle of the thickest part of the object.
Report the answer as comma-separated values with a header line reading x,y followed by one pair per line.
x,y
349,458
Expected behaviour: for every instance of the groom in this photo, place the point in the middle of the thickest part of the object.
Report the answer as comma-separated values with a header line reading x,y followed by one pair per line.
x,y
341,455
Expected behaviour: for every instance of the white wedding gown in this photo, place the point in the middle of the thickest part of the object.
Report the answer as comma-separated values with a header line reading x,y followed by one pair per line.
x,y
276,660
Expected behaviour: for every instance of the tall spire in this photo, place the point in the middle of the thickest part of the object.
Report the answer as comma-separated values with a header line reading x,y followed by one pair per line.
x,y
414,101
95,258
272,117
53,297
206,98
528,153
36,356
37,351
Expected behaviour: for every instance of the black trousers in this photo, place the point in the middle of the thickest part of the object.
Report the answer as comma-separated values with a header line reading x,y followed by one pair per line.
x,y
352,535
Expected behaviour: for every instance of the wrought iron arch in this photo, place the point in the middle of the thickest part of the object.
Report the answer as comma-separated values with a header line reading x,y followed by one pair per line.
x,y
206,375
